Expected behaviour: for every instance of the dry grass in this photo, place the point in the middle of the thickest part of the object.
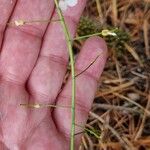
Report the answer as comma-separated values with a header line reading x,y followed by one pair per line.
x,y
121,110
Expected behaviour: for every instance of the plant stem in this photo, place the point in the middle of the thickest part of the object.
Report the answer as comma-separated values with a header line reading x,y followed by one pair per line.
x,y
43,106
69,44
86,36
88,66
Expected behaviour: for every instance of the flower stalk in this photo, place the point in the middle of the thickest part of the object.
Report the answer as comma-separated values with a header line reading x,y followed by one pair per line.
x,y
71,55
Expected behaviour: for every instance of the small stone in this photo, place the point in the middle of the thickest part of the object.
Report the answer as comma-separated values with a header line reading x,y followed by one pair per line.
x,y
133,96
139,70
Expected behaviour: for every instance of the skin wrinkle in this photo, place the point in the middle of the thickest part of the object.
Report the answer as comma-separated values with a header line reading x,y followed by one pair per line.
x,y
3,146
13,79
37,93
57,59
41,119
40,96
55,30
79,106
33,130
30,30
2,28
44,122
9,66
51,49
8,8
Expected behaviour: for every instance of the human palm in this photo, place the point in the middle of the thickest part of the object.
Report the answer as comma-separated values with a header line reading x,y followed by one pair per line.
x,y
33,63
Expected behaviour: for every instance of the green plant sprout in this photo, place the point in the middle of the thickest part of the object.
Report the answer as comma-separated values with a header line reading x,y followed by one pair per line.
x,y
90,131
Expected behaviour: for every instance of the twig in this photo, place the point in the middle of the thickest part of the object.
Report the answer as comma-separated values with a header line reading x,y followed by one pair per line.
x,y
133,53
145,30
138,134
25,22
117,88
38,106
133,102
108,106
88,66
99,9
115,12
86,36
111,129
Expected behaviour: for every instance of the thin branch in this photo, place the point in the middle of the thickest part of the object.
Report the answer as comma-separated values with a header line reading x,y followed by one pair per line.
x,y
88,66
110,128
38,106
69,44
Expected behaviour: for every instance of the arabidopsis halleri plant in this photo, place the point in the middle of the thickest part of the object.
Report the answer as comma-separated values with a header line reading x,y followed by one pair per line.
x,y
64,4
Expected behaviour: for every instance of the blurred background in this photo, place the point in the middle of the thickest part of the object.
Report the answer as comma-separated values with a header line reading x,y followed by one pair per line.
x,y
120,116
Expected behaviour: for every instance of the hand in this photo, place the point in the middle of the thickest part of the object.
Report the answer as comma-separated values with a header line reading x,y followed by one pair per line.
x,y
33,64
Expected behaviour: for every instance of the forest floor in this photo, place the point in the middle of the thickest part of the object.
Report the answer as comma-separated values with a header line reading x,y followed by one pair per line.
x,y
120,116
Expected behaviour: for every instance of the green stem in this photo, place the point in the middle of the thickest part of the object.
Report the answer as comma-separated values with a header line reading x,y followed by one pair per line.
x,y
86,36
97,34
91,131
69,43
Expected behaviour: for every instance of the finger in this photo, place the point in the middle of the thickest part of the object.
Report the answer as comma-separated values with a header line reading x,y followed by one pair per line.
x,y
6,8
86,85
49,72
22,43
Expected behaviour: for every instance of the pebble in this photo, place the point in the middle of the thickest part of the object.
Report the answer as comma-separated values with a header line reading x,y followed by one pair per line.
x,y
133,96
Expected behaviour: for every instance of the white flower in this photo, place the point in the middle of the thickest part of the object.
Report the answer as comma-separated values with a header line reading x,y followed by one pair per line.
x,y
108,32
63,4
